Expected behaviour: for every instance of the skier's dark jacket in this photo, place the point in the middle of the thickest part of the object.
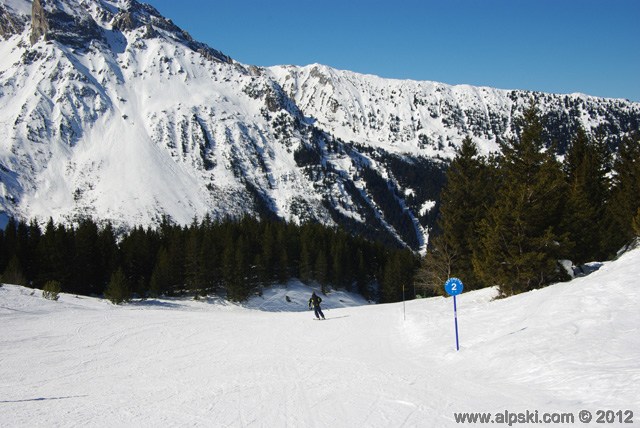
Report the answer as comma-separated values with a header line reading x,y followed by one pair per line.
x,y
314,301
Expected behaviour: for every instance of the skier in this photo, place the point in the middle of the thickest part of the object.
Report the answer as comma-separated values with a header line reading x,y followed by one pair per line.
x,y
315,302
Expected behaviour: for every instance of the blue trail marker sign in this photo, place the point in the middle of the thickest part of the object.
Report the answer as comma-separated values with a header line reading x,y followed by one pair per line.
x,y
453,287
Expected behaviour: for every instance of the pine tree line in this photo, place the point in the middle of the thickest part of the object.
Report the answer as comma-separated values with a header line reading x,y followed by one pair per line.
x,y
232,258
507,220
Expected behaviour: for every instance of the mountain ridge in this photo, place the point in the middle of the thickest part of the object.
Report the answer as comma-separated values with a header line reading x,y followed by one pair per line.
x,y
424,111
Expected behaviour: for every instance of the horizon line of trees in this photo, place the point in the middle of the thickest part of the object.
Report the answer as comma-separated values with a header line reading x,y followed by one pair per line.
x,y
508,219
230,258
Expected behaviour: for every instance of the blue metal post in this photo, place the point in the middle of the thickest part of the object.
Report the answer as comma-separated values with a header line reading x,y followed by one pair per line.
x,y
455,315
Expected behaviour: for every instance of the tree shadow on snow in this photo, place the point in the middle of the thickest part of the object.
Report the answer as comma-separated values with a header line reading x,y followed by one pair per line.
x,y
26,400
586,269
152,303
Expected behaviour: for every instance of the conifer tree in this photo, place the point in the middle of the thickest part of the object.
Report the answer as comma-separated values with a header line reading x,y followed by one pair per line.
x,y
520,242
436,267
625,196
284,269
108,253
55,255
586,169
397,274
87,275
13,273
210,260
321,270
390,287
293,245
3,251
194,264
32,263
51,290
268,256
22,246
362,281
241,284
138,252
306,260
340,261
160,282
10,240
118,290
174,239
468,192
229,264
636,224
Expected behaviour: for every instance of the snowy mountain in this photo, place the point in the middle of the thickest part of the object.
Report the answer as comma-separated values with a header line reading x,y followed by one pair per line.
x,y
561,350
430,118
109,110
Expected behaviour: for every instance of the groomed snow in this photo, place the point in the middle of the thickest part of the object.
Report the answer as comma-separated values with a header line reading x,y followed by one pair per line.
x,y
84,362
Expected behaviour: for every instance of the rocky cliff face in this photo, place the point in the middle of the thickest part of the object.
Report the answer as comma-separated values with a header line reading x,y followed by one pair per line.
x,y
66,22
11,22
432,118
39,22
109,110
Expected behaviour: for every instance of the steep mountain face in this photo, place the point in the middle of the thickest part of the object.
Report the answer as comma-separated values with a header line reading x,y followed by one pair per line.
x,y
430,118
109,110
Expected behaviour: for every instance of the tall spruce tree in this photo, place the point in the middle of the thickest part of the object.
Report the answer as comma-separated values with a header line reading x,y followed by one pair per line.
x,y
586,168
32,264
160,282
268,256
194,262
468,192
108,250
55,253
87,276
520,241
625,195
176,258
286,250
210,260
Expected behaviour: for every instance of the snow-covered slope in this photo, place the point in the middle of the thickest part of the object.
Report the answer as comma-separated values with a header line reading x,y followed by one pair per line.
x,y
81,361
109,110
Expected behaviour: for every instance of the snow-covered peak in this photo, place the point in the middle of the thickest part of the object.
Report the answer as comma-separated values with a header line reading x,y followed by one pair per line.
x,y
431,118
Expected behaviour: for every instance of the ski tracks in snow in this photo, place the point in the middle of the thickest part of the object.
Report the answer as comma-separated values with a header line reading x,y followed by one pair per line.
x,y
84,362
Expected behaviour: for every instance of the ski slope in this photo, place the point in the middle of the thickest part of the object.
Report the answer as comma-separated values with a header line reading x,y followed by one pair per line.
x,y
84,362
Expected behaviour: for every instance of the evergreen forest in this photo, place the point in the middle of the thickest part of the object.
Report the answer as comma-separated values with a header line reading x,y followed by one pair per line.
x,y
230,258
510,220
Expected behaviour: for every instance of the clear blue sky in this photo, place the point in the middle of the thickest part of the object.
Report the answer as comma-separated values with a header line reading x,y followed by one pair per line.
x,y
560,46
